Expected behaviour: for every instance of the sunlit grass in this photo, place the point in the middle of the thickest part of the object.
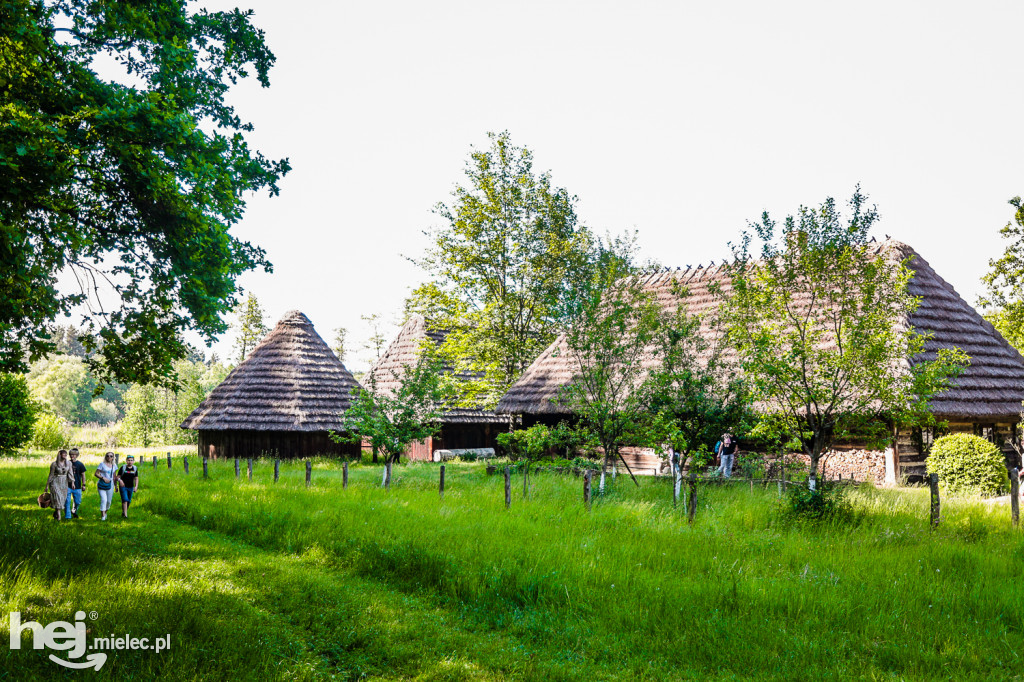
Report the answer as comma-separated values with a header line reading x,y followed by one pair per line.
x,y
277,580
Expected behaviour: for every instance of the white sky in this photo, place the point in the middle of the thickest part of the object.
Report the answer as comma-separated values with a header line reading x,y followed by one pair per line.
x,y
683,120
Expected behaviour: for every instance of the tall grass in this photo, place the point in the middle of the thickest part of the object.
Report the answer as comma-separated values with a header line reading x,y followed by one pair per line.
x,y
546,590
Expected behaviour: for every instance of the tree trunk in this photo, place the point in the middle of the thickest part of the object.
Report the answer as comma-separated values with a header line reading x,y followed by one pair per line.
x,y
374,454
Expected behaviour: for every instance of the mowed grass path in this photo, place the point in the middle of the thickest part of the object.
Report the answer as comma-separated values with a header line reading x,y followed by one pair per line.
x,y
273,581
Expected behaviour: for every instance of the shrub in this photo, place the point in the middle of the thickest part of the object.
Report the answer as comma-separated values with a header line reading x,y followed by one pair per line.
x,y
50,432
968,464
826,503
17,412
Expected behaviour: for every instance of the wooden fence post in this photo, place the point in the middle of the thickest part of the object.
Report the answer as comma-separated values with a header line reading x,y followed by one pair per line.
x,y
309,473
236,469
154,462
206,474
691,501
277,469
185,460
168,460
1015,496
508,488
344,475
586,488
441,484
933,483
250,468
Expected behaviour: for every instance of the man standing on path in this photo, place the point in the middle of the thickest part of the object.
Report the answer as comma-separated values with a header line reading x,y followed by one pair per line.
x,y
74,498
128,477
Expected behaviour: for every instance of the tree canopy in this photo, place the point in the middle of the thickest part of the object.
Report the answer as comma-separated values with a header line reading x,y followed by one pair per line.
x,y
510,249
251,325
1004,302
815,321
117,193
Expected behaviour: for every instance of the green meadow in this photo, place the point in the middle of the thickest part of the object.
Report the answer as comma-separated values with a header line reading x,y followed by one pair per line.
x,y
257,580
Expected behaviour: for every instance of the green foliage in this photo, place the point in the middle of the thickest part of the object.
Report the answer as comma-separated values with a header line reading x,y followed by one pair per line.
x,y
502,266
826,503
815,324
50,432
611,340
340,347
17,412
133,181
251,325
529,444
1004,299
391,420
143,420
968,464
697,390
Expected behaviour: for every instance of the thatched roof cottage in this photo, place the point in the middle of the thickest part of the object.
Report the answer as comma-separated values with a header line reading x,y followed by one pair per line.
x,y
281,400
985,400
460,427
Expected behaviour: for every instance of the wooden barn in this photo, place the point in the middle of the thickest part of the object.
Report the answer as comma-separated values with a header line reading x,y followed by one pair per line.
x,y
460,428
985,399
280,401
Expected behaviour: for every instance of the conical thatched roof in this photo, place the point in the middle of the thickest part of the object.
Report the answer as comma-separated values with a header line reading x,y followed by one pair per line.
x,y
991,388
404,352
290,382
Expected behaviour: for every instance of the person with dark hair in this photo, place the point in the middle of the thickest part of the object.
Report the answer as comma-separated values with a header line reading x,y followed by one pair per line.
x,y
58,481
75,490
128,478
727,451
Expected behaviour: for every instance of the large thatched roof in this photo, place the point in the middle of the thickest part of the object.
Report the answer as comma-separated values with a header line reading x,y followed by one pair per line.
x,y
290,382
404,352
992,387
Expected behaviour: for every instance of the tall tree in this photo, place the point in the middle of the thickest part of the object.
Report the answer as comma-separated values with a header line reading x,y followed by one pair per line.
x,y
251,325
375,342
611,342
143,420
816,323
510,247
127,185
1004,302
697,388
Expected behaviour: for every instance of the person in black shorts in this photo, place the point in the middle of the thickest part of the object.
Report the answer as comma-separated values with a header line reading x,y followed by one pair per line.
x,y
128,477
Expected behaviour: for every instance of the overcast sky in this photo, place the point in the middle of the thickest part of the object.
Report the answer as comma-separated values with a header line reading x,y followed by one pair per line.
x,y
683,120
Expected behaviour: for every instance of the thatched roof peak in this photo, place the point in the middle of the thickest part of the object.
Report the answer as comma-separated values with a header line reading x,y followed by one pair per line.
x,y
291,381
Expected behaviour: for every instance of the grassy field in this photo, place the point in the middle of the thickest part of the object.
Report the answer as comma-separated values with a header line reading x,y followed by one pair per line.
x,y
264,581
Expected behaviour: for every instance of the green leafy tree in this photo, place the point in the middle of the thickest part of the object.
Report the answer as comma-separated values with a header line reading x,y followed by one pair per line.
x,y
697,389
17,413
251,325
510,249
612,345
1004,302
126,185
62,385
143,421
816,323
375,342
392,420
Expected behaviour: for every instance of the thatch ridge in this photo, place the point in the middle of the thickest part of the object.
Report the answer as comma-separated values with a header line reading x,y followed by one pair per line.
x,y
291,381
404,351
991,389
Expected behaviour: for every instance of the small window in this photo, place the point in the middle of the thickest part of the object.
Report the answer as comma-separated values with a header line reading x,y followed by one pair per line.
x,y
986,431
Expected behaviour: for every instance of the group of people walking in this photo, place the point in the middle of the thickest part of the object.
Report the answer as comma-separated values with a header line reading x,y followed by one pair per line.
x,y
68,477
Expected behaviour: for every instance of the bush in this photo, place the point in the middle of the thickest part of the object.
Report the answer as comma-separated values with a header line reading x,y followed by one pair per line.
x,y
968,464
17,412
826,503
51,433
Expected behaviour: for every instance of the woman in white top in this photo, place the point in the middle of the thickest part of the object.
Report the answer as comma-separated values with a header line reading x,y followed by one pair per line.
x,y
105,486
